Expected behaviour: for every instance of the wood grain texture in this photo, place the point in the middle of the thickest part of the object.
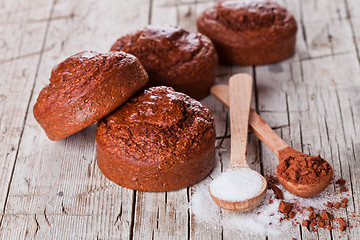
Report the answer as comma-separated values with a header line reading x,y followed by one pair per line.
x,y
22,37
54,190
240,89
60,180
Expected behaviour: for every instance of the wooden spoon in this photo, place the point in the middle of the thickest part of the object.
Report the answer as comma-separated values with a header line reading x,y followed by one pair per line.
x,y
281,149
240,97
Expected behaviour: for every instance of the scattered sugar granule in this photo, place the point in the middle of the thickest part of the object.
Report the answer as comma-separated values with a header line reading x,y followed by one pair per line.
x,y
237,184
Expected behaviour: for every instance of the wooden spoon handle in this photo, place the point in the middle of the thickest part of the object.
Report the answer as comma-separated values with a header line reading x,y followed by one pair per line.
x,y
257,125
239,98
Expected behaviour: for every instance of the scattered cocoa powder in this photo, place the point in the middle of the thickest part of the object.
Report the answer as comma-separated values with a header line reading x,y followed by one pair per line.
x,y
325,219
276,190
306,223
285,207
322,220
340,181
304,169
329,204
272,180
316,218
312,215
326,216
342,223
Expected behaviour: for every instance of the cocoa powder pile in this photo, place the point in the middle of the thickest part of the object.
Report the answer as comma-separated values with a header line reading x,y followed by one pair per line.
x,y
303,169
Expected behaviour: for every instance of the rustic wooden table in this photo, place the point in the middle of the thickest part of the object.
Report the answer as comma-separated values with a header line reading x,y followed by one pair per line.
x,y
54,190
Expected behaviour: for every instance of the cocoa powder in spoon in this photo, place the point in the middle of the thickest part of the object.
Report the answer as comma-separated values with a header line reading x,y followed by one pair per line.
x,y
304,169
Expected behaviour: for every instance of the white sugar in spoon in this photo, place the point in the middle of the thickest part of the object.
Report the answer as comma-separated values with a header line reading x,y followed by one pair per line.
x,y
239,188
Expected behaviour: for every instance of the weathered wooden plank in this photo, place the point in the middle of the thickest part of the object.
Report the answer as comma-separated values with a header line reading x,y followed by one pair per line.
x,y
57,191
353,16
324,38
40,226
21,47
164,12
187,16
323,10
351,100
330,102
61,178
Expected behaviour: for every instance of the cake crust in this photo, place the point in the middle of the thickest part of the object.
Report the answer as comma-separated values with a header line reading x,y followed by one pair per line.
x,y
160,140
84,88
173,57
246,32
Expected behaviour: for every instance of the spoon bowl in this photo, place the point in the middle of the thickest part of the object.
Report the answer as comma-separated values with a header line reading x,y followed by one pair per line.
x,y
302,190
305,190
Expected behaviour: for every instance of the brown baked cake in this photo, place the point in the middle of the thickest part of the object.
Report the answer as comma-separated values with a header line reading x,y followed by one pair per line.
x,y
249,32
173,57
84,88
160,140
